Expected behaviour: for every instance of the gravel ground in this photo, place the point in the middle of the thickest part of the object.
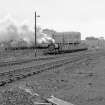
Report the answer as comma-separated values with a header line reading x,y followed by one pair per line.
x,y
80,83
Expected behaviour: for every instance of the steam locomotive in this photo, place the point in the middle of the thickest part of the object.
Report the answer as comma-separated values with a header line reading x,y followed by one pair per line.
x,y
66,42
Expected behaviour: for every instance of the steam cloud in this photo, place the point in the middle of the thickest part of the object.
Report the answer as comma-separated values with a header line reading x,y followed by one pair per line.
x,y
12,32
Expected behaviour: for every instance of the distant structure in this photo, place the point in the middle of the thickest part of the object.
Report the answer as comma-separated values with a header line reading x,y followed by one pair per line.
x,y
94,42
68,37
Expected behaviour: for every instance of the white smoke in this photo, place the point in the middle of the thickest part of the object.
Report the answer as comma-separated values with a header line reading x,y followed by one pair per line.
x,y
10,31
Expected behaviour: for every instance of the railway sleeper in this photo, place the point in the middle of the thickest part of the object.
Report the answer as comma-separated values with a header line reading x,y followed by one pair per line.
x,y
29,74
10,80
18,76
4,78
2,83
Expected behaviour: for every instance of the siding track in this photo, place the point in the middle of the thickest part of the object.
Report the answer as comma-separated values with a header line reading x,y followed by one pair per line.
x,y
24,72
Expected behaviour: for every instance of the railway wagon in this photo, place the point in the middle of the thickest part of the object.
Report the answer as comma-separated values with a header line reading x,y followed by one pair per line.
x,y
21,45
66,42
15,45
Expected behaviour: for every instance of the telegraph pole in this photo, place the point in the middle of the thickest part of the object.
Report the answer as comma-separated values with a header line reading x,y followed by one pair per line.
x,y
35,37
36,34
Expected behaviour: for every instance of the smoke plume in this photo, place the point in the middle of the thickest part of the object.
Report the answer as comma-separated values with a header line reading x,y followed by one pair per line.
x,y
12,32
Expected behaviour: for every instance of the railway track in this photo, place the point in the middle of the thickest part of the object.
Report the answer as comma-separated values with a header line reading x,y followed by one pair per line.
x,y
9,66
20,61
17,74
28,60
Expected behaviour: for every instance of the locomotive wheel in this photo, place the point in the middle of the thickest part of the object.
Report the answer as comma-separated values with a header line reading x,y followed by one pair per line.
x,y
51,48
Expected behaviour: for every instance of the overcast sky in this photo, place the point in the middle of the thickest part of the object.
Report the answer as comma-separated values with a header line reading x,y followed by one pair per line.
x,y
86,16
